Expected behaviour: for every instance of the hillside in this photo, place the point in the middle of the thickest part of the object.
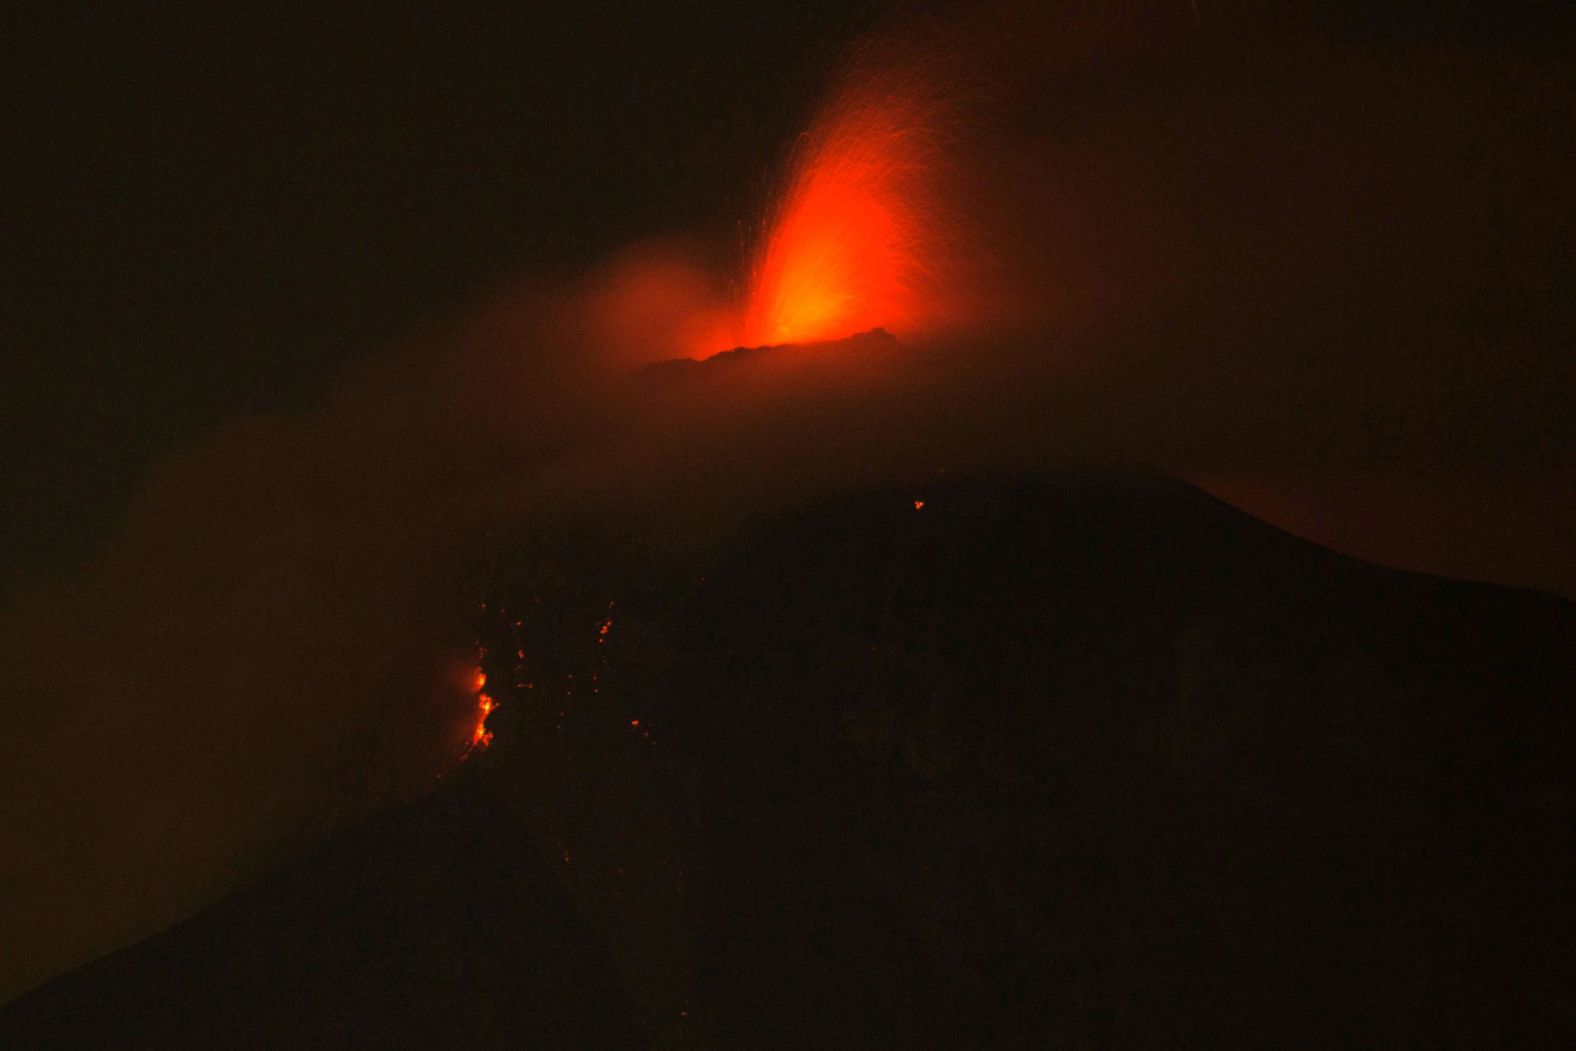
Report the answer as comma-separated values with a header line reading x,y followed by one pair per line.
x,y
1073,760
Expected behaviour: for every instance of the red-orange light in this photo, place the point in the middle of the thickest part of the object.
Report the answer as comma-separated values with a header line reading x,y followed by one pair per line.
x,y
480,737
856,241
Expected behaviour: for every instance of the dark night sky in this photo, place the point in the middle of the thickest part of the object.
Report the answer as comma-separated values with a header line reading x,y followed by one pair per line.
x,y
209,211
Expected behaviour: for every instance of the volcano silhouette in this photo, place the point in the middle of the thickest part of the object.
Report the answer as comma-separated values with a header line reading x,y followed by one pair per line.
x,y
1047,760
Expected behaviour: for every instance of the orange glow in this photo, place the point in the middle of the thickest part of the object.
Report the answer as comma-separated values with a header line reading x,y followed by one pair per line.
x,y
656,301
857,240
918,504
481,737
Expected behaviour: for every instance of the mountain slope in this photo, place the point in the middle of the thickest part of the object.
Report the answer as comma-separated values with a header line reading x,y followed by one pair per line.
x,y
1037,761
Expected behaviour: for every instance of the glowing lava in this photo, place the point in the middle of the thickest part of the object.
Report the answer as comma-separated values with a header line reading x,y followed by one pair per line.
x,y
857,240
481,737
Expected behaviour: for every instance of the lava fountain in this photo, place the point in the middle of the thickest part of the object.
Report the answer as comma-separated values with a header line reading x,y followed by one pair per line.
x,y
859,238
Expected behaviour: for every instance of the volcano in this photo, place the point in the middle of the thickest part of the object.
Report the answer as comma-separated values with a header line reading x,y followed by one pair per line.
x,y
1038,760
